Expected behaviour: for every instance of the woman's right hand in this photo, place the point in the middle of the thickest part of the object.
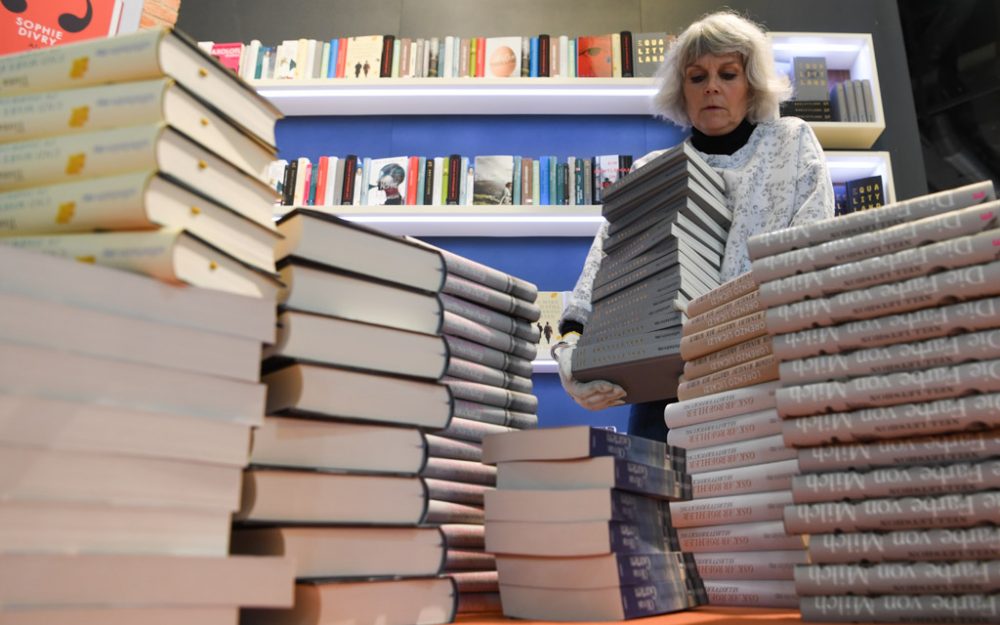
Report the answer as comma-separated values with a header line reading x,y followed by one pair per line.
x,y
593,395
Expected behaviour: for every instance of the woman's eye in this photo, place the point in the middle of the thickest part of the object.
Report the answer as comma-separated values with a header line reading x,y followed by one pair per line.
x,y
696,79
727,75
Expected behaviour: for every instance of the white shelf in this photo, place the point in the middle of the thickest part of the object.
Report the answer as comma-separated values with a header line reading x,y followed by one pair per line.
x,y
851,165
472,221
544,365
461,96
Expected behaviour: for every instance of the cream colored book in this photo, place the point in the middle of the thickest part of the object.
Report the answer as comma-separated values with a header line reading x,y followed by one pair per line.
x,y
142,55
173,256
70,111
138,201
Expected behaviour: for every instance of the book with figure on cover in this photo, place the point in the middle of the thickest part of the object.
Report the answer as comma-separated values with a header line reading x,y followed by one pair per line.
x,y
387,182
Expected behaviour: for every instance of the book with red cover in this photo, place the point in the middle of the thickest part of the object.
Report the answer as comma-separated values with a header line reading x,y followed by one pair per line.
x,y
594,56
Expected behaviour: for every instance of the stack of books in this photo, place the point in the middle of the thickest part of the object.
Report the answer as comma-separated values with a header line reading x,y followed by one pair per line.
x,y
489,323
353,381
740,468
579,525
667,227
118,490
886,328
139,152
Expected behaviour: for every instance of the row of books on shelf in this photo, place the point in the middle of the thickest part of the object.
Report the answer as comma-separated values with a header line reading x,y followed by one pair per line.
x,y
446,180
614,55
827,95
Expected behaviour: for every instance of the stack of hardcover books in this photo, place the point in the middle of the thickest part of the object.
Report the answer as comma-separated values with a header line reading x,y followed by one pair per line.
x,y
118,490
740,468
886,327
667,227
580,526
139,152
489,323
353,381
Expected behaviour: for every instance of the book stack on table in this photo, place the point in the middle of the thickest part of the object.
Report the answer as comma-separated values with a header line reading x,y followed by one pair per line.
x,y
886,328
579,525
666,232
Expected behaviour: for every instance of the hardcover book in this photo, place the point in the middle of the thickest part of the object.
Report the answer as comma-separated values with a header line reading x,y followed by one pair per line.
x,y
648,50
387,181
363,57
594,54
865,193
502,58
493,179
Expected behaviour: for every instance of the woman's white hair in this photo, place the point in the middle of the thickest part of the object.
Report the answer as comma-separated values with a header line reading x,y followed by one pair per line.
x,y
721,33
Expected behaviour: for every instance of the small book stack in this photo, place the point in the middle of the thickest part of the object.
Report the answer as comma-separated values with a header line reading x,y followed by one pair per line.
x,y
740,468
580,526
887,330
489,324
667,226
140,152
353,380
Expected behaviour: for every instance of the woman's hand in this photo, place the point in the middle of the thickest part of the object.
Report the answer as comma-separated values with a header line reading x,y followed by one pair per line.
x,y
593,395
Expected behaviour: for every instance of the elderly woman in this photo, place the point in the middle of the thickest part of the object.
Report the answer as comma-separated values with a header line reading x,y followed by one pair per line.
x,y
718,78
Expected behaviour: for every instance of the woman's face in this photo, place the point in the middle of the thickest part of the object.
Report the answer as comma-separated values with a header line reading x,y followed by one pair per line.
x,y
716,93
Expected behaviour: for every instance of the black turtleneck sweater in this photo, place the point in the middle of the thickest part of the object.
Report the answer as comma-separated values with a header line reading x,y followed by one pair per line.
x,y
723,144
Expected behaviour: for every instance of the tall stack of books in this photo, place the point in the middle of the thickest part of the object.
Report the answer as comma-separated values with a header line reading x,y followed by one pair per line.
x,y
886,327
139,152
740,468
667,227
353,381
580,526
118,490
489,324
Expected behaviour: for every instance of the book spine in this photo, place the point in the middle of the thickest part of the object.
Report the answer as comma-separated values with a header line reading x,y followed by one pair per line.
x,y
733,309
457,325
439,511
491,298
475,372
762,565
946,351
750,593
741,454
758,371
898,578
472,472
930,450
470,430
946,609
891,422
725,335
519,328
476,411
728,430
488,356
749,508
974,543
455,492
759,478
796,237
760,536
490,277
729,357
492,395
909,481
886,390
652,598
441,447
721,405
650,480
463,536
726,292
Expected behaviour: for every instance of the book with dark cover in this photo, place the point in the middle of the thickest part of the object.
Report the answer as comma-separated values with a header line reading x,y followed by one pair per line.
x,y
648,50
809,110
647,378
865,193
544,54
385,64
580,538
809,78
796,237
628,62
348,188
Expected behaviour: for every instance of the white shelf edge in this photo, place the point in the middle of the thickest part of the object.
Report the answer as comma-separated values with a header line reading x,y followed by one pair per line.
x,y
544,365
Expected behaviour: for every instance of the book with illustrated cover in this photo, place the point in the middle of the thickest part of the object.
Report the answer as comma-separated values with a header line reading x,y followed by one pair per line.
x,y
493,179
502,57
594,56
363,57
387,181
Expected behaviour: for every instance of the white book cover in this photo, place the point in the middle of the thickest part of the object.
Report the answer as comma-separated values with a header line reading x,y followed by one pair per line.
x,y
503,57
364,57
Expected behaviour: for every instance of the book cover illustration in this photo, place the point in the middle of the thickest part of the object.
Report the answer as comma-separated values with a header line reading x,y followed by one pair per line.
x,y
387,181
551,303
503,57
492,181
363,57
594,58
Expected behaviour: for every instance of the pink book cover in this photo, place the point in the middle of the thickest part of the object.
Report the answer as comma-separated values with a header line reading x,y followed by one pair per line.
x,y
228,54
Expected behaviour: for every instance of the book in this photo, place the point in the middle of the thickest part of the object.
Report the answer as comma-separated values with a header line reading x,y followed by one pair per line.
x,y
439,512
410,601
569,442
974,543
469,350
900,608
809,78
502,58
103,107
472,472
475,372
493,179
387,181
971,446
280,495
756,371
347,552
594,56
142,55
891,422
363,57
733,309
725,335
441,447
962,242
459,492
648,50
108,290
646,366
476,292
579,538
787,239
67,158
355,344
117,615
728,358
492,395
598,472
469,559
99,580
756,536
486,413
138,201
588,572
909,481
752,593
47,372
726,430
726,292
174,256
326,444
607,604
334,242
903,513
314,288
721,405
461,326
557,506
762,565
754,478
893,578
745,508
308,389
